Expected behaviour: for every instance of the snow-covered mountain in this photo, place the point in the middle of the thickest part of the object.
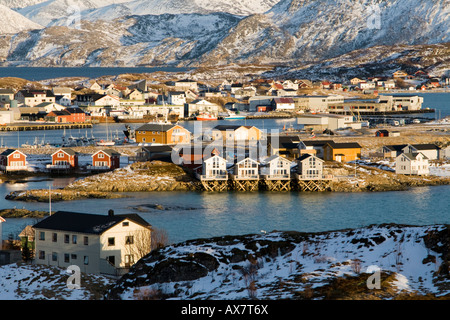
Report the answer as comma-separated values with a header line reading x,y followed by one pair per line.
x,y
12,22
57,12
18,4
300,33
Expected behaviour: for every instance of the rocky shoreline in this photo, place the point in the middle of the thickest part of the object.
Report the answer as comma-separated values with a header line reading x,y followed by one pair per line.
x,y
162,176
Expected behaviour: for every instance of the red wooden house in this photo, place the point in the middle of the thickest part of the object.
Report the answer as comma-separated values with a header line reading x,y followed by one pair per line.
x,y
13,160
106,159
64,159
76,114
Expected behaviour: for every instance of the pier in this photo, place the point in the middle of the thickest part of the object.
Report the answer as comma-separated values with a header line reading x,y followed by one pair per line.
x,y
44,126
266,183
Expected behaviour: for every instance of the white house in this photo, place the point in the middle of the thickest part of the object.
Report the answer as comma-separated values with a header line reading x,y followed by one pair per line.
x,y
96,243
214,167
277,168
412,164
310,167
246,169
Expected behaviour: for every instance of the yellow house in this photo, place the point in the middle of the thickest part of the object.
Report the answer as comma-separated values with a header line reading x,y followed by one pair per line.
x,y
341,152
162,134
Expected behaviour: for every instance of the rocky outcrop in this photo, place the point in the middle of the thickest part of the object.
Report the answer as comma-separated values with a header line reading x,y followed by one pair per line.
x,y
138,177
296,265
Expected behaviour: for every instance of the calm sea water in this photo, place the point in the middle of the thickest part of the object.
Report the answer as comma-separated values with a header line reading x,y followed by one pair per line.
x,y
190,215
38,74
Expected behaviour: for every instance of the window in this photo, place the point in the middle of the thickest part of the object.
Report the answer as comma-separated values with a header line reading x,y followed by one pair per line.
x,y
66,238
16,155
54,237
54,256
129,240
41,255
60,155
42,235
86,241
111,241
74,239
101,155
125,224
86,260
66,257
73,256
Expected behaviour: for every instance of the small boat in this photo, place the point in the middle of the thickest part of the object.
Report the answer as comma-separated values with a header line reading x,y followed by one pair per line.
x,y
205,117
105,143
231,115
235,117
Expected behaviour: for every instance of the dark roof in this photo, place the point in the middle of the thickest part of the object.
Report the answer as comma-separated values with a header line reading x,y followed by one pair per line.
x,y
306,156
425,146
85,222
60,113
31,93
344,145
109,152
225,127
395,147
155,127
161,148
74,110
316,142
7,152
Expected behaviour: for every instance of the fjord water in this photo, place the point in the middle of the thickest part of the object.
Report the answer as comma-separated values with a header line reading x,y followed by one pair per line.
x,y
192,215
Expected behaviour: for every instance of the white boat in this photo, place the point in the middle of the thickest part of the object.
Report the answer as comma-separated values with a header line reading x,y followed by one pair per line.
x,y
105,143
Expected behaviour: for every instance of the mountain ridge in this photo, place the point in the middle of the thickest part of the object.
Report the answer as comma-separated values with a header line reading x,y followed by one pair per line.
x,y
299,34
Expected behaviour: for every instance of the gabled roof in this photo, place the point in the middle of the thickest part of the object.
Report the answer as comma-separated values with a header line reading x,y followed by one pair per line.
x,y
209,157
86,222
413,155
8,152
275,156
68,151
109,152
307,156
247,158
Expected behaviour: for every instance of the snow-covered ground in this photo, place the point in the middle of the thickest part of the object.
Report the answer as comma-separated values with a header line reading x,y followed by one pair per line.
x,y
294,265
309,264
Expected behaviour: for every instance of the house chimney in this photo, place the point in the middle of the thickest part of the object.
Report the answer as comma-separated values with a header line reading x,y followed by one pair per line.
x,y
111,212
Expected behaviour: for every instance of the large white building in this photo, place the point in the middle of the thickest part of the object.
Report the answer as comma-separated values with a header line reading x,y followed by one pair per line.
x,y
95,243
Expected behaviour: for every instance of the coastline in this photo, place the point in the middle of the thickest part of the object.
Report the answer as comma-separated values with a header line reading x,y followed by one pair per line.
x,y
158,176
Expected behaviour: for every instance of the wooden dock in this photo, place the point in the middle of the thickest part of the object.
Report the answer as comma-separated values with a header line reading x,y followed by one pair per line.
x,y
266,183
44,126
